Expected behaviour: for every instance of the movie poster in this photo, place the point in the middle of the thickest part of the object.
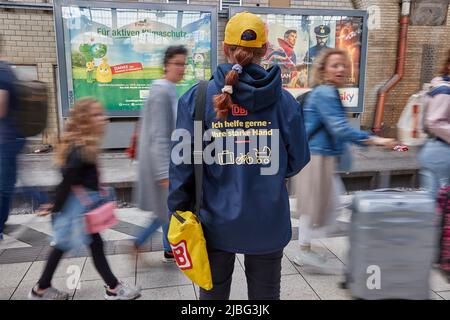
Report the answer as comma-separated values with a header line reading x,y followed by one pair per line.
x,y
349,38
321,36
288,43
295,42
115,54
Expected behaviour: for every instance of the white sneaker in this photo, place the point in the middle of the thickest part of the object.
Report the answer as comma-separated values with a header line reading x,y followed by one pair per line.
x,y
316,263
123,292
49,294
309,258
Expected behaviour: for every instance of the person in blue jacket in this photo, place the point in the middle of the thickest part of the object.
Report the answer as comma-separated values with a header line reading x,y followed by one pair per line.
x,y
244,210
328,132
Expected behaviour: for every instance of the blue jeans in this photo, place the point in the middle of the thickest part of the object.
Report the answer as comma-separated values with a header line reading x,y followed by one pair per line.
x,y
144,235
8,175
435,166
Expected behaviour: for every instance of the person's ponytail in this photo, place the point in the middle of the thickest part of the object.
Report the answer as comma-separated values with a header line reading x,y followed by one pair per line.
x,y
242,56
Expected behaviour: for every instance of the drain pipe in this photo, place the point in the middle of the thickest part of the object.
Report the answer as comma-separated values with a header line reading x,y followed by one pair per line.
x,y
399,68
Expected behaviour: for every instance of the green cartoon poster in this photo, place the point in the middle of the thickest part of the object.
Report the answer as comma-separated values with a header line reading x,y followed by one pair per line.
x,y
114,54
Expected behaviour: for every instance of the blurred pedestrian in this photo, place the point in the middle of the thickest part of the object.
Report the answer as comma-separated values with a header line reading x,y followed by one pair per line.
x,y
434,157
77,155
243,210
11,141
328,131
156,125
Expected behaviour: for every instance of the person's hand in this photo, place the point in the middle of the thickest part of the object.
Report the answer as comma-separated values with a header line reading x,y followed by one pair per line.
x,y
44,210
385,142
164,183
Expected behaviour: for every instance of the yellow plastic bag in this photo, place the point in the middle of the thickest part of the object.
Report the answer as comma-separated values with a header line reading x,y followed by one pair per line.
x,y
189,248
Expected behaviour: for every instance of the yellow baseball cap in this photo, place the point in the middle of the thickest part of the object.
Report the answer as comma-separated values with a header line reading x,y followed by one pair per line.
x,y
245,29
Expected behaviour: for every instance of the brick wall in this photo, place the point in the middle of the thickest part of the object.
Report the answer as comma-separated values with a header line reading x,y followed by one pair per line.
x,y
382,55
320,4
29,39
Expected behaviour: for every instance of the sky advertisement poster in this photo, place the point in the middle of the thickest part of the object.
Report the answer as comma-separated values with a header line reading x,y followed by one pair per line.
x,y
295,41
115,54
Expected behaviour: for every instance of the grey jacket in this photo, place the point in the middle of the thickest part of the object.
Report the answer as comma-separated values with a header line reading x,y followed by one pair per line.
x,y
156,126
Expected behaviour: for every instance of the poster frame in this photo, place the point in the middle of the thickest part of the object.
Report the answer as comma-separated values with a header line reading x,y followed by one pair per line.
x,y
61,54
324,12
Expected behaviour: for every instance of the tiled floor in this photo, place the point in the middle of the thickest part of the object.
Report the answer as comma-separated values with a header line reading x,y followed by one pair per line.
x,y
21,263
160,280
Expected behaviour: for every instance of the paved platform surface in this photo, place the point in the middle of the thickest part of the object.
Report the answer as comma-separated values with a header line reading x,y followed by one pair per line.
x,y
27,237
24,252
26,246
162,281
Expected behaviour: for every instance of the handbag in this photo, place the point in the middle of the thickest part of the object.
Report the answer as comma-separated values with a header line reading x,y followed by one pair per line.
x,y
101,206
185,233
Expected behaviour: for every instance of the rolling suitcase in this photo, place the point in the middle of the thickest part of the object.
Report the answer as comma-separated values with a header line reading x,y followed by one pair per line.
x,y
392,245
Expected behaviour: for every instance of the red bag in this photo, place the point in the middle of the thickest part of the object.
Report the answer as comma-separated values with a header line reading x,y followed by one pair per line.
x,y
131,150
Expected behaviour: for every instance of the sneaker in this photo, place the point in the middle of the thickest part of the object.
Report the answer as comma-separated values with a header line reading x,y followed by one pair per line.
x,y
123,291
309,258
168,257
49,294
316,263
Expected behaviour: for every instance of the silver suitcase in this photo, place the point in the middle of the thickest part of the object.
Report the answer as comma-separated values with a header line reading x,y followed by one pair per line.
x,y
392,245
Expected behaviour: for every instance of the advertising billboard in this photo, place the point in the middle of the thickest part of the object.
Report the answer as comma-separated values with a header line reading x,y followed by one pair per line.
x,y
297,36
113,51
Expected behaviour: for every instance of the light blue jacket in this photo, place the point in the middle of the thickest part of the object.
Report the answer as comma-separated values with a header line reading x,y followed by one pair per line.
x,y
326,123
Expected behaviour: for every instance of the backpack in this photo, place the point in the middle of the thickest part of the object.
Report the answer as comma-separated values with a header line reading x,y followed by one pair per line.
x,y
31,114
411,124
32,105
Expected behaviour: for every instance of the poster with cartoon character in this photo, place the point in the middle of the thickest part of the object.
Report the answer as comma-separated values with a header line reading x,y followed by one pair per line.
x,y
114,55
287,44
